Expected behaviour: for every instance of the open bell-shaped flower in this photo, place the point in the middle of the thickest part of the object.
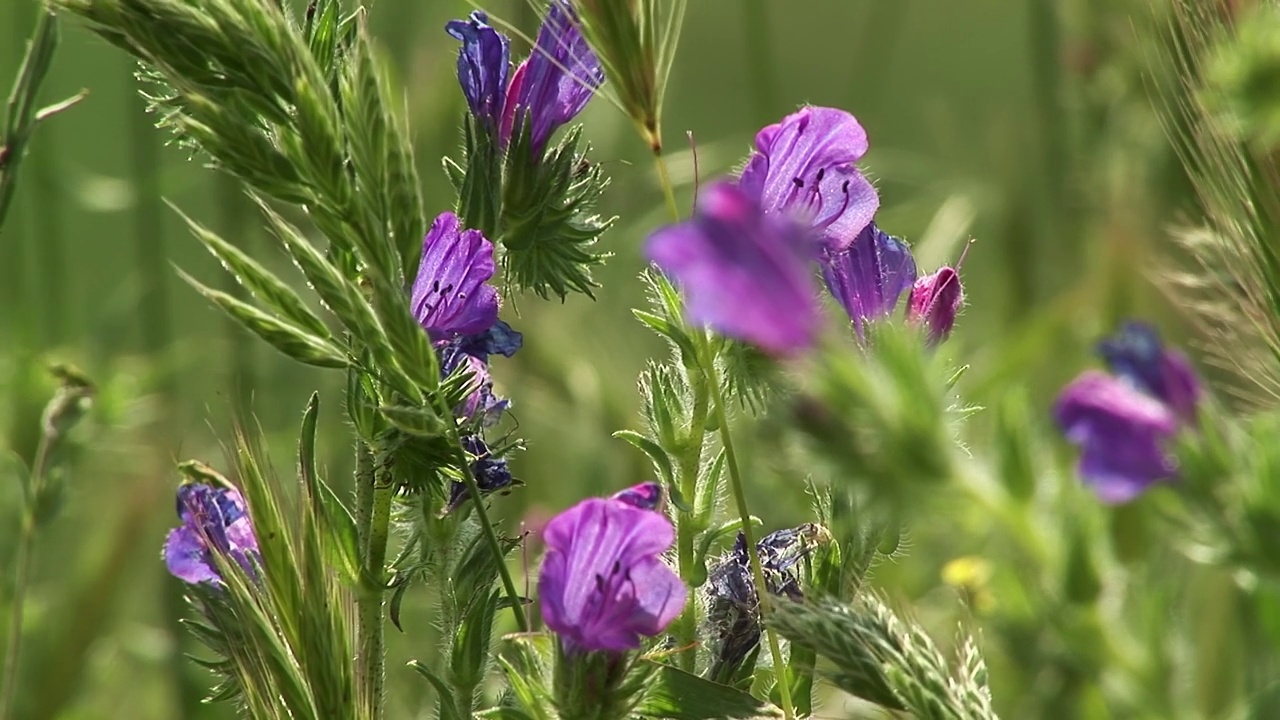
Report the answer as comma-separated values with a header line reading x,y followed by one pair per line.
x,y
804,167
603,583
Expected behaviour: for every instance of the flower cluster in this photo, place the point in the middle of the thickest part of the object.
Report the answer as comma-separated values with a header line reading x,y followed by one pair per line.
x,y
1122,421
214,520
454,302
745,258
545,92
603,582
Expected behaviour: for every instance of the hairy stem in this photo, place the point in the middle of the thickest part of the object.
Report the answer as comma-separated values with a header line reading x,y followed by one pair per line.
x,y
688,464
370,664
491,538
757,572
22,577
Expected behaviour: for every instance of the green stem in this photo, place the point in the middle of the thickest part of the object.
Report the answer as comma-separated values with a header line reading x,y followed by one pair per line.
x,y
371,659
757,572
491,537
686,527
664,179
364,490
22,577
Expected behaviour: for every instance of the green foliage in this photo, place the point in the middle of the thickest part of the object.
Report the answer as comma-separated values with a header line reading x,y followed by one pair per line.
x,y
673,693
23,113
548,227
880,658
636,42
1223,129
883,413
281,634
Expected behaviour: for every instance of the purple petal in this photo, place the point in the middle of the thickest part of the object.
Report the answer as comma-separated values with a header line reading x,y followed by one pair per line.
x,y
482,66
869,276
594,586
804,166
660,596
450,295
745,274
557,80
186,557
1121,433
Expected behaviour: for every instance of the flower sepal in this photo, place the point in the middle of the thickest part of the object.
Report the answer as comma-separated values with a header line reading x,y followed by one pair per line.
x,y
598,684
549,224
480,180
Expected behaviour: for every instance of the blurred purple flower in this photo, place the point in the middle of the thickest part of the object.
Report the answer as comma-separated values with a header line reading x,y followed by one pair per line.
x,y
1136,354
214,519
1121,433
555,82
482,66
646,496
451,295
745,274
935,300
603,583
869,275
804,166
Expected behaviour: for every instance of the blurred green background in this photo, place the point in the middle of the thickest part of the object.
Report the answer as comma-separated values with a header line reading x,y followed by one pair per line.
x,y
1026,125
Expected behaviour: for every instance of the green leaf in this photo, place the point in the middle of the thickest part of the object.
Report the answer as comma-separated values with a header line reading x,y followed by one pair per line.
x,y
676,694
345,300
421,422
661,461
504,712
289,339
448,707
339,527
266,287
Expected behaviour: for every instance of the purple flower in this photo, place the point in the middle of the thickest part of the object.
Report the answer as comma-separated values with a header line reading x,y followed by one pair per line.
x,y
482,66
935,300
1121,433
213,520
491,472
646,496
1137,355
804,166
555,82
603,583
451,295
745,274
869,276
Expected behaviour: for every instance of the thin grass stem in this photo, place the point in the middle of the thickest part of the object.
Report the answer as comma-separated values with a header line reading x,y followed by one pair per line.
x,y
22,578
740,500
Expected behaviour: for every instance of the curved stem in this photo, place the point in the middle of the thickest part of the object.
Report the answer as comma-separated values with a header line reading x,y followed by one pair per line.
x,y
22,577
491,537
757,572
